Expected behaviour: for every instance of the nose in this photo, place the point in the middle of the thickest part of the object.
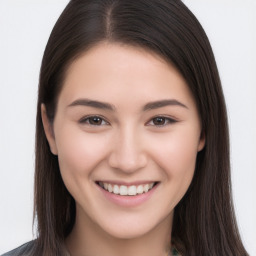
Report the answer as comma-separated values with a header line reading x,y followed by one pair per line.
x,y
128,154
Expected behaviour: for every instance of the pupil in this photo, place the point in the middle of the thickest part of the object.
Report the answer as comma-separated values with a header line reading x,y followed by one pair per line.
x,y
95,121
159,121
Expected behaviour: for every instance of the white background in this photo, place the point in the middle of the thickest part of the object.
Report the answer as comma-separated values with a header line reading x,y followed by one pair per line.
x,y
25,26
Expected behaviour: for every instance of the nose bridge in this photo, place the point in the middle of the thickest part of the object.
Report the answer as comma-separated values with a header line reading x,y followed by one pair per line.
x,y
128,154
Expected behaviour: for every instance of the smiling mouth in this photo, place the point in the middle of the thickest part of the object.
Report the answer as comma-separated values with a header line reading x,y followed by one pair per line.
x,y
124,190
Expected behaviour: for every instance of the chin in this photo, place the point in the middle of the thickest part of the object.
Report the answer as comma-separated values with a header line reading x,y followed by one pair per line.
x,y
136,227
130,232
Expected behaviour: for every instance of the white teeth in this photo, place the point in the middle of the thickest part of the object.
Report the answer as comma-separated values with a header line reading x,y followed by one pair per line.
x,y
146,188
110,188
140,189
116,189
123,190
132,191
127,190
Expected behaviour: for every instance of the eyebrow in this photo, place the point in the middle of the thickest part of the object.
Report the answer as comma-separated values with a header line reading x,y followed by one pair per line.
x,y
163,103
108,106
92,103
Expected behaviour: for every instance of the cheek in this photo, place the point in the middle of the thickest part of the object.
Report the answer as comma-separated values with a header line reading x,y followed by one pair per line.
x,y
79,153
176,158
176,155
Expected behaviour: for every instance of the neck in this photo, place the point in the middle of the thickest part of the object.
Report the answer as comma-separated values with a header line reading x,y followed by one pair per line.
x,y
88,239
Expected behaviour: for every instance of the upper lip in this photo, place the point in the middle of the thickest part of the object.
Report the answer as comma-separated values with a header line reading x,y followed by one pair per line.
x,y
117,182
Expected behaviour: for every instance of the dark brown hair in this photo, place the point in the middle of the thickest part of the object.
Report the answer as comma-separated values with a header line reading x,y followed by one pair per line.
x,y
204,221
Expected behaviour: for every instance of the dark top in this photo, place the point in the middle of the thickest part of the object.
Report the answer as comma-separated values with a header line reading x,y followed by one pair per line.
x,y
23,250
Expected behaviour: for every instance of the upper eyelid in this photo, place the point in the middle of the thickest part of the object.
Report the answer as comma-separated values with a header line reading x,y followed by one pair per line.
x,y
171,119
90,116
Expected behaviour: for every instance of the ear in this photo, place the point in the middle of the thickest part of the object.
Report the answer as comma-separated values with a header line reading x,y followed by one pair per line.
x,y
48,129
201,143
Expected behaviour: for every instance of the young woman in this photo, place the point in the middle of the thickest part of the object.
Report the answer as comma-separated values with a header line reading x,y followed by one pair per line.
x,y
132,150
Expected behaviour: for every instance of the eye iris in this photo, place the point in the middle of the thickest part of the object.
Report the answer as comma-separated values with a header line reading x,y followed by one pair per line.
x,y
159,121
95,120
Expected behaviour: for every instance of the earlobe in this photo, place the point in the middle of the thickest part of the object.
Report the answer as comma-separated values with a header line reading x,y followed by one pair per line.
x,y
201,143
48,129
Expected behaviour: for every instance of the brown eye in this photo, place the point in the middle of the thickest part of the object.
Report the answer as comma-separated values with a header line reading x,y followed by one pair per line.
x,y
93,120
159,120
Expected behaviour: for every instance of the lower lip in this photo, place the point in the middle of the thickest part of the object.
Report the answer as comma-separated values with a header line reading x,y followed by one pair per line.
x,y
128,201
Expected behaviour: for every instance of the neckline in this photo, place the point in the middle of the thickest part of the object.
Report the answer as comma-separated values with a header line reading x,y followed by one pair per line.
x,y
173,252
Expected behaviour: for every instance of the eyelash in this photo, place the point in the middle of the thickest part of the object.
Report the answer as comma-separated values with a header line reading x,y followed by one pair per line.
x,y
167,121
89,119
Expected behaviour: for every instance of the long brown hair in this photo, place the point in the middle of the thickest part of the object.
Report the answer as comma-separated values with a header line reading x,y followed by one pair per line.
x,y
204,221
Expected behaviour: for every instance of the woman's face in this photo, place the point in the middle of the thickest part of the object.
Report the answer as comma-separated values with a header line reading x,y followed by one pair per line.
x,y
125,121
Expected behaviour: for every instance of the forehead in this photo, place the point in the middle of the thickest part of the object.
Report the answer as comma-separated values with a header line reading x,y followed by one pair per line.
x,y
107,71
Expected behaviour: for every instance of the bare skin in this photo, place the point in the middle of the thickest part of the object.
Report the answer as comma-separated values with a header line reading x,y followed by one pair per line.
x,y
124,117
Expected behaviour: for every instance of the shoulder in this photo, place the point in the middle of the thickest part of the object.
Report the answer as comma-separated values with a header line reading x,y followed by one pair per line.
x,y
23,250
